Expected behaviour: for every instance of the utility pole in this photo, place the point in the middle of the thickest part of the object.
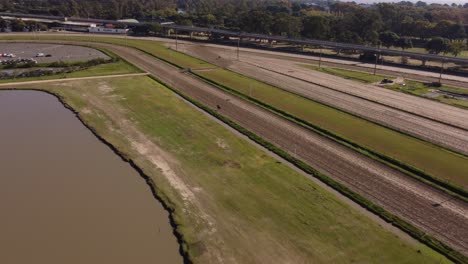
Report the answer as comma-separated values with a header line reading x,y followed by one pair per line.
x,y
320,57
377,55
238,46
441,70
176,40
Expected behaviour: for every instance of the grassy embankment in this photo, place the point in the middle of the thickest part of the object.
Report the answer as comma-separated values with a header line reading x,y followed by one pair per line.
x,y
410,87
259,210
433,163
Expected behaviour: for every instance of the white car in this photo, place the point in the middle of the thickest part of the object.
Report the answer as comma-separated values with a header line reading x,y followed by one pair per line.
x,y
40,55
10,55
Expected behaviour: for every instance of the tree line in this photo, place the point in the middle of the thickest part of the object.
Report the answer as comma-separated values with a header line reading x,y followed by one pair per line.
x,y
438,28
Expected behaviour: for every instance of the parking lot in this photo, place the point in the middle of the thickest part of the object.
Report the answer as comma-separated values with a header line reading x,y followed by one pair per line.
x,y
58,52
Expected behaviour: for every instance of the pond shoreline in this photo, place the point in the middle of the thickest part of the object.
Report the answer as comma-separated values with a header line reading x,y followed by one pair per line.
x,y
148,180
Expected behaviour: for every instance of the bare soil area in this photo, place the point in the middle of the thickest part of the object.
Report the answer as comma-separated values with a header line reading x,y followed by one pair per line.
x,y
58,52
433,211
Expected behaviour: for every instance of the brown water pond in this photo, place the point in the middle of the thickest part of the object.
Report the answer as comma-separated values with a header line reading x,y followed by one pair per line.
x,y
65,197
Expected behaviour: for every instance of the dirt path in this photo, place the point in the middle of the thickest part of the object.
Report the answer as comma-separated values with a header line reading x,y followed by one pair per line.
x,y
74,79
398,193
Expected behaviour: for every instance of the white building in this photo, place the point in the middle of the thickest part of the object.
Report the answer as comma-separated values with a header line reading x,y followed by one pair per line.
x,y
108,30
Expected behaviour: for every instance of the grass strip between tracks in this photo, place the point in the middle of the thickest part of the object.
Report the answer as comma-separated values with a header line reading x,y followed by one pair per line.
x,y
411,87
395,163
388,217
348,74
438,166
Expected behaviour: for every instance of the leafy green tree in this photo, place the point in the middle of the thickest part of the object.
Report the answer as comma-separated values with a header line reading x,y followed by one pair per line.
x,y
404,43
456,47
364,22
287,25
18,25
437,45
422,29
316,26
258,21
442,28
421,4
3,24
456,31
389,39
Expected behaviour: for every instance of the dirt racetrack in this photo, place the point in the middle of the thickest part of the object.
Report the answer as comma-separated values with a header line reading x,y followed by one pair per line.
x,y
418,75
354,98
433,211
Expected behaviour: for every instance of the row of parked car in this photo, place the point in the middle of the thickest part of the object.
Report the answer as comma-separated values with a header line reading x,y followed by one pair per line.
x,y
7,55
17,61
43,55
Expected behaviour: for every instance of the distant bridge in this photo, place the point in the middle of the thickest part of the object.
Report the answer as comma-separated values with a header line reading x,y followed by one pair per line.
x,y
240,35
322,43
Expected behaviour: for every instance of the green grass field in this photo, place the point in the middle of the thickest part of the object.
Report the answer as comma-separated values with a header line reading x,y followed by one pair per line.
x,y
432,159
114,68
463,54
419,89
347,74
261,210
411,87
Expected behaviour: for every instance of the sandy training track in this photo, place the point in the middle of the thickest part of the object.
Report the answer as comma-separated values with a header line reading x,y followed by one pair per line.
x,y
396,192
445,127
413,74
